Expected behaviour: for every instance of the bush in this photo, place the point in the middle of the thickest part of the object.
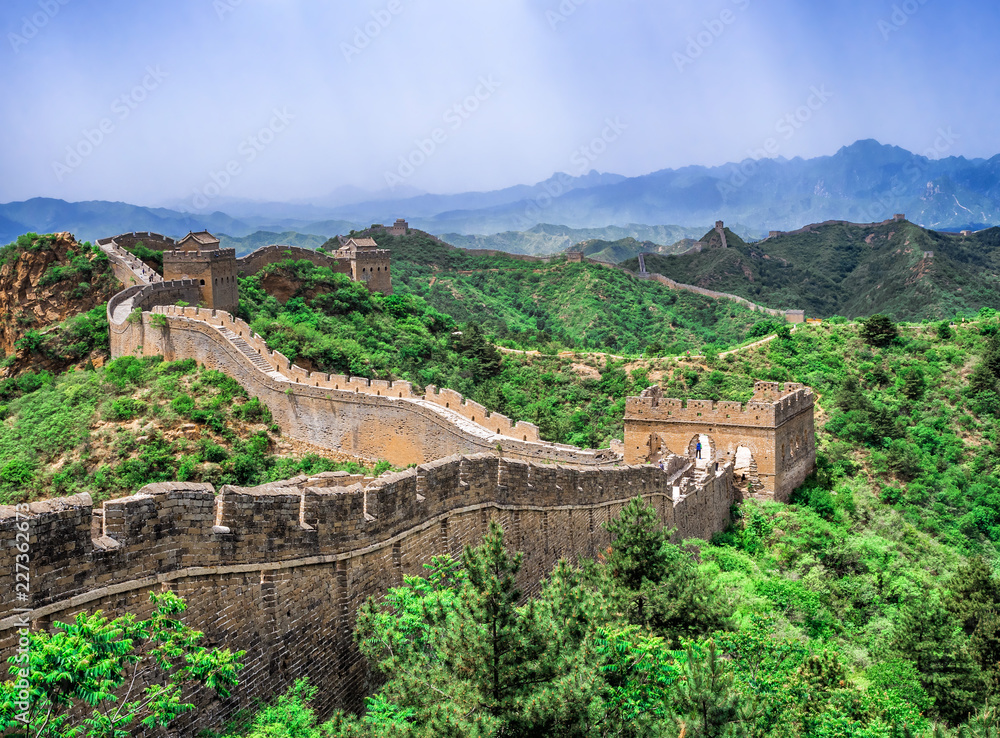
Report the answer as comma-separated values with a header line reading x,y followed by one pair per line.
x,y
183,404
124,408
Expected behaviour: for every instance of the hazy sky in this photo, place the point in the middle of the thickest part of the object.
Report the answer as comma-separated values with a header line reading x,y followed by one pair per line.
x,y
153,101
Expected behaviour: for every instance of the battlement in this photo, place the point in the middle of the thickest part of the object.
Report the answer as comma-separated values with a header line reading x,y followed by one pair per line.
x,y
364,254
276,253
199,256
79,551
155,241
771,405
127,268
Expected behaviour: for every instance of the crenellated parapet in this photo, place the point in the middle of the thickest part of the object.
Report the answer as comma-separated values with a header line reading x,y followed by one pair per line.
x,y
281,570
368,418
367,264
167,530
155,241
274,254
127,269
771,405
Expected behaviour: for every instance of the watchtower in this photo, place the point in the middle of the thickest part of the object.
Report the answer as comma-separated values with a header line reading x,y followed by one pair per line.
x,y
369,263
198,256
771,439
399,228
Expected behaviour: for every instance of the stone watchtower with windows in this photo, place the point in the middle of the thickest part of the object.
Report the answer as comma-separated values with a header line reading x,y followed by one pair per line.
x,y
369,263
198,256
771,439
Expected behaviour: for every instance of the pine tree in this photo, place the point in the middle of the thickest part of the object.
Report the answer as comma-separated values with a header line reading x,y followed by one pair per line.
x,y
656,583
974,600
707,701
931,637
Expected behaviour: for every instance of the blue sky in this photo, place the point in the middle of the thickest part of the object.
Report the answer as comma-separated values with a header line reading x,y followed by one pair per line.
x,y
151,102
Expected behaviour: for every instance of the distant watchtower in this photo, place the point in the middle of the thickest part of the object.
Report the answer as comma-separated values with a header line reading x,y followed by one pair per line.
x,y
771,439
720,228
198,256
399,228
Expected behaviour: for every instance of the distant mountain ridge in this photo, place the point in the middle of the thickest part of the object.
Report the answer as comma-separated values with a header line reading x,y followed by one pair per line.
x,y
546,238
850,269
864,182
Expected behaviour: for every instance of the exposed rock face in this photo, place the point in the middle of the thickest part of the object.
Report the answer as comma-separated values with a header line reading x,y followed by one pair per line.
x,y
30,301
283,285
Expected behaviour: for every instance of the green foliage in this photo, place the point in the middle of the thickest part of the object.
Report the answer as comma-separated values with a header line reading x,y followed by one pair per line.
x,y
49,448
81,678
557,306
151,256
655,584
878,330
930,637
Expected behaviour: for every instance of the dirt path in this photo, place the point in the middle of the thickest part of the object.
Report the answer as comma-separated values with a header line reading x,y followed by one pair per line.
x,y
616,357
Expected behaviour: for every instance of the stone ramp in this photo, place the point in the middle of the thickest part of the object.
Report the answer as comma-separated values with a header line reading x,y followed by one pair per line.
x,y
125,261
121,312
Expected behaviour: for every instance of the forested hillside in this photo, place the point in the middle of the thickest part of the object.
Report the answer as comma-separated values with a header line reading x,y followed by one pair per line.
x,y
577,305
624,249
853,270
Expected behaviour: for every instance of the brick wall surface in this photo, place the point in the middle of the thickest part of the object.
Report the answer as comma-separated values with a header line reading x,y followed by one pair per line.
x,y
281,571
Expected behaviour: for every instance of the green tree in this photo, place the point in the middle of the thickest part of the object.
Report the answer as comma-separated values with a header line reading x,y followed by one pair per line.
x,y
931,637
707,701
974,599
101,677
656,583
914,383
878,330
463,658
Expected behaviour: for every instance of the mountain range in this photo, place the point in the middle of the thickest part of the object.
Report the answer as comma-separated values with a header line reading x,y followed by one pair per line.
x,y
864,182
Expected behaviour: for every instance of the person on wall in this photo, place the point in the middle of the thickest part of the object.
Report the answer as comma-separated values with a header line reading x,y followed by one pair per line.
x,y
697,449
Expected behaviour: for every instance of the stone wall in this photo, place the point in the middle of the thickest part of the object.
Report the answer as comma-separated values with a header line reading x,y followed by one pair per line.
x,y
155,241
280,571
372,419
371,267
127,269
274,254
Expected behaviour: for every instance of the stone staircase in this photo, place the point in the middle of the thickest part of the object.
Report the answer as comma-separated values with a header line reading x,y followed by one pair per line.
x,y
247,350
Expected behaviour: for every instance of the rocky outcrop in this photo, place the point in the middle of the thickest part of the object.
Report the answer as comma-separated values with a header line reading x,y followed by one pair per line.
x,y
33,299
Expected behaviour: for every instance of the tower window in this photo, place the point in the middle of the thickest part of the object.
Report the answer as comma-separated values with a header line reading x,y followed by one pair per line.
x,y
203,283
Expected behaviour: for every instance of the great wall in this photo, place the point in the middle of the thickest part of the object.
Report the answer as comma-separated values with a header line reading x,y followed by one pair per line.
x,y
280,570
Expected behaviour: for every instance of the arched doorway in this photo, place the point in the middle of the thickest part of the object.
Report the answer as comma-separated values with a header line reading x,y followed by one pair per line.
x,y
702,450
745,473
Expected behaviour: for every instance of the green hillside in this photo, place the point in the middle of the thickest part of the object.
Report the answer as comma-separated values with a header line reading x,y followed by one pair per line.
x,y
545,238
578,305
865,608
852,270
624,249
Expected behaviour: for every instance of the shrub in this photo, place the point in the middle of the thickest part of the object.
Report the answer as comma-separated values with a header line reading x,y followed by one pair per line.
x,y
124,408
183,404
